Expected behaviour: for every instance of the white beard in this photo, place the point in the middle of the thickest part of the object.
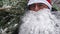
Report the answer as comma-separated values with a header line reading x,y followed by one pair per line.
x,y
40,22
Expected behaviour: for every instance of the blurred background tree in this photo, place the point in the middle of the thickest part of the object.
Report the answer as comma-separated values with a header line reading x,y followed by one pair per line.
x,y
10,12
56,4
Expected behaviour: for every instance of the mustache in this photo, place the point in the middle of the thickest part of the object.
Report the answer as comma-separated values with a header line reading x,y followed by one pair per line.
x,y
41,10
45,10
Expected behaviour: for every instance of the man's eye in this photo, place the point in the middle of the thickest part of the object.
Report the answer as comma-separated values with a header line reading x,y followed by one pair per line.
x,y
32,5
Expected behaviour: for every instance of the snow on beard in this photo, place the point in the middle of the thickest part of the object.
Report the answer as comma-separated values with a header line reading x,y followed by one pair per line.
x,y
40,22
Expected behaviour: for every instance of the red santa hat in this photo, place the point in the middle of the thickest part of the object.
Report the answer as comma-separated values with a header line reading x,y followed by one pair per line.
x,y
47,2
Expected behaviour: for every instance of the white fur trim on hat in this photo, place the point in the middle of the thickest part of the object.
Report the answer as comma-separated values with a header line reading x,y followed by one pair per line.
x,y
39,1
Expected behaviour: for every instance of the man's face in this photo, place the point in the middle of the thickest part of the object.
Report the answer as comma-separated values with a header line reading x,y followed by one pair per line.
x,y
37,6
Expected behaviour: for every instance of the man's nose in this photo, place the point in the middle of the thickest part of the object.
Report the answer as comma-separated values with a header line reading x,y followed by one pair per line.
x,y
37,8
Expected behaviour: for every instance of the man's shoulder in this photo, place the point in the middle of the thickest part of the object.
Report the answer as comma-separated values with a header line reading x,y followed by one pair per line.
x,y
56,13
